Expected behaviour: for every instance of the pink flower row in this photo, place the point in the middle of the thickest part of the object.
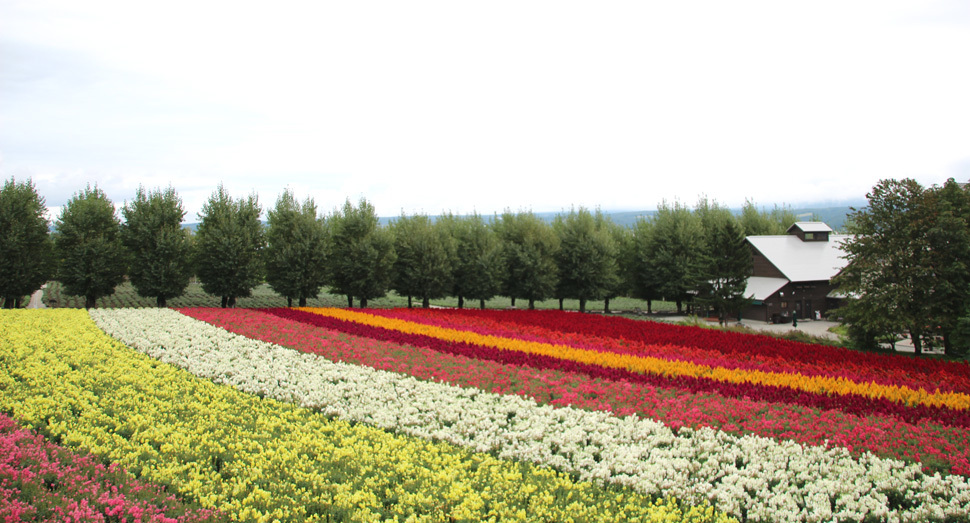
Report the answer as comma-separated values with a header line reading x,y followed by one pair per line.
x,y
40,481
939,447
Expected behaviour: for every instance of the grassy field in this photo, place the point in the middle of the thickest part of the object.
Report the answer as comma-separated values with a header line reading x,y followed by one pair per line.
x,y
264,296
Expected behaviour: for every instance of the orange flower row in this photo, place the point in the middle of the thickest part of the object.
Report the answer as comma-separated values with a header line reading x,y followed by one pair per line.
x,y
658,366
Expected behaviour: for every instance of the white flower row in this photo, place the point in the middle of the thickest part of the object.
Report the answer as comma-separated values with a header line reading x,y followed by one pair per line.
x,y
756,477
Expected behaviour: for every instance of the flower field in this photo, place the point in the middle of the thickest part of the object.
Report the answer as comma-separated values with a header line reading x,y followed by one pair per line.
x,y
326,414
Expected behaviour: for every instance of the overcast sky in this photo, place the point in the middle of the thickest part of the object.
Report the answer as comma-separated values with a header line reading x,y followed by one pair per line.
x,y
481,106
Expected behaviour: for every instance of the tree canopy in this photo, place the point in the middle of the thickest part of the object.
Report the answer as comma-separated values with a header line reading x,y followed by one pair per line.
x,y
92,261
228,241
529,248
296,249
907,267
361,253
587,257
26,248
157,243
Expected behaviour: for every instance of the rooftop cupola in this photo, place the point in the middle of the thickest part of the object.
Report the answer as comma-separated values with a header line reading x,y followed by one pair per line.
x,y
810,231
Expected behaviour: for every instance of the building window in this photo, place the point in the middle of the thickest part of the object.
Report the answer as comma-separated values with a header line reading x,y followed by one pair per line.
x,y
784,305
809,235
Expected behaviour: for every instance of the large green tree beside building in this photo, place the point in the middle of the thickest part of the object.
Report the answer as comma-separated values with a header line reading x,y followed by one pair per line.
x,y
92,261
228,244
672,251
157,243
296,249
361,253
724,265
26,248
907,265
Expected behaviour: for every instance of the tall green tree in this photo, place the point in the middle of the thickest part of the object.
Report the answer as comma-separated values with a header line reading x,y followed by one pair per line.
x,y
889,273
229,241
296,249
643,279
478,262
91,258
423,259
724,265
529,248
675,243
623,239
586,259
947,215
26,248
157,243
361,253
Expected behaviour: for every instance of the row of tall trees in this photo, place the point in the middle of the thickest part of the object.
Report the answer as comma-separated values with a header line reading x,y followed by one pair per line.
x,y
689,256
909,265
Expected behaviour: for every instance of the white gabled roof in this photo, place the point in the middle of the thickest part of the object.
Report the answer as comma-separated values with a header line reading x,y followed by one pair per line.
x,y
759,287
802,260
811,227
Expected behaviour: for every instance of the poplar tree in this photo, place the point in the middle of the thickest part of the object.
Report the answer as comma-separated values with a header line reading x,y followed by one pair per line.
x,y
158,245
478,259
529,248
91,258
675,241
724,266
26,248
295,249
228,244
361,253
423,259
586,259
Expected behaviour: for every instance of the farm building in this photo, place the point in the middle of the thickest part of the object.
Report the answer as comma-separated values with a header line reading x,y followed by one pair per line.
x,y
791,273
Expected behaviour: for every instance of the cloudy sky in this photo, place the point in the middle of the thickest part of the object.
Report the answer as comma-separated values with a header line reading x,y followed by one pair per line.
x,y
480,106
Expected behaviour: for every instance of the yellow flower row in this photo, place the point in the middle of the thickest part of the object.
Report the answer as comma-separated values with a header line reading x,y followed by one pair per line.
x,y
658,366
261,460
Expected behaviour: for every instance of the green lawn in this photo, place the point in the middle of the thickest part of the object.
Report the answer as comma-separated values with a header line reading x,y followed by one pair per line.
x,y
264,296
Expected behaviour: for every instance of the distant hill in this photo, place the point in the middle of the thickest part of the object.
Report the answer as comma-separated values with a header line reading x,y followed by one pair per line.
x,y
833,216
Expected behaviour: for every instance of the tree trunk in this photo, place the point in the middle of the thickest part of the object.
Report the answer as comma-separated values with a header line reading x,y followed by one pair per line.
x,y
90,302
160,301
289,301
532,304
7,303
481,304
513,302
410,305
582,305
917,341
225,301
649,306
680,307
232,302
350,302
425,303
560,304
606,306
302,301
363,303
461,301
947,345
